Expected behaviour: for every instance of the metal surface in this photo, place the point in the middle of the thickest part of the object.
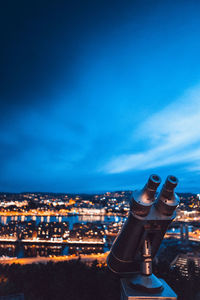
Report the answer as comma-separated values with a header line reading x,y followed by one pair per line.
x,y
167,200
148,219
146,283
146,266
139,239
128,293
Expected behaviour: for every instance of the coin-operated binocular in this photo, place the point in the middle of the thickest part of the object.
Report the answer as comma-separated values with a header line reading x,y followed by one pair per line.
x,y
140,237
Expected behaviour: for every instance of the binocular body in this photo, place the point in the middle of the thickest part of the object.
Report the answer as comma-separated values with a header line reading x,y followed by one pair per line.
x,y
148,220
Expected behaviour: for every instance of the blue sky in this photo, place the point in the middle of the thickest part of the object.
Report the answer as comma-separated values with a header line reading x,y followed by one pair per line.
x,y
98,96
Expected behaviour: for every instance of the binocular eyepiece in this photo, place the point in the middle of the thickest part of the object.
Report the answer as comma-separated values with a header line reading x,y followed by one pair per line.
x,y
167,200
142,201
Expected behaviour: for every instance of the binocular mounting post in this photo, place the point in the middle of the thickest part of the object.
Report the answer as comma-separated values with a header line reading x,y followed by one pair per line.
x,y
146,281
145,285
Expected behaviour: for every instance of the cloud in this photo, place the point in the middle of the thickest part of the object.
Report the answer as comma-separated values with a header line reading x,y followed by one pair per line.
x,y
172,136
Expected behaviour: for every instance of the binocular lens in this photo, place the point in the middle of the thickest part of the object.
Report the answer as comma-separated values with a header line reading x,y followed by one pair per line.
x,y
153,182
171,182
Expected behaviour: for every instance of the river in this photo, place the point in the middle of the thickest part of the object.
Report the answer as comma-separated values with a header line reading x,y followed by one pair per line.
x,y
72,219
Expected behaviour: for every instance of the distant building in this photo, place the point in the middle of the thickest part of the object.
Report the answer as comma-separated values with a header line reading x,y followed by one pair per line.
x,y
92,211
182,262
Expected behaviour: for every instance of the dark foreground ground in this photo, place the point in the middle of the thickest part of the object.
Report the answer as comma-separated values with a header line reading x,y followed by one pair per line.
x,y
63,280
75,281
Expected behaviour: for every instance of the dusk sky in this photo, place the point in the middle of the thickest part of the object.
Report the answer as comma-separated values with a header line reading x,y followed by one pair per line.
x,y
98,95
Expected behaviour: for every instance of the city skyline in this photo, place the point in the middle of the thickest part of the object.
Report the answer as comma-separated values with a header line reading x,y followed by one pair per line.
x,y
97,96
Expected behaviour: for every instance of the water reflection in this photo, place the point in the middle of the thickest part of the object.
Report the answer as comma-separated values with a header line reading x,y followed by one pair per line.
x,y
7,250
70,219
20,250
32,250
